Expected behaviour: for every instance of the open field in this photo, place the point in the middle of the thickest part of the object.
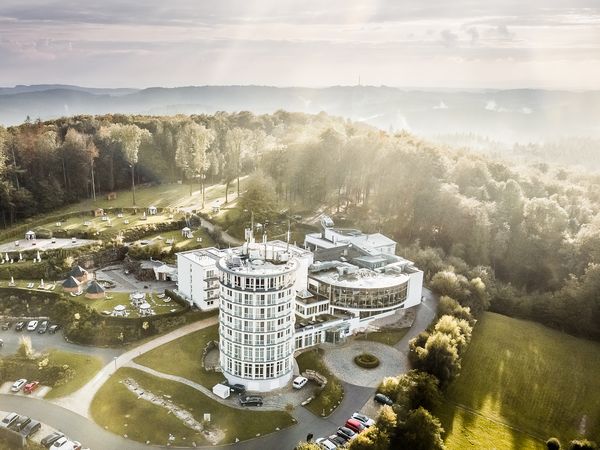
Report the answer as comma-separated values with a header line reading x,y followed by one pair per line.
x,y
536,381
118,409
183,357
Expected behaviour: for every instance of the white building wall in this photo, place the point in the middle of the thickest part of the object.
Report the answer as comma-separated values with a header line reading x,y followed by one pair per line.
x,y
415,289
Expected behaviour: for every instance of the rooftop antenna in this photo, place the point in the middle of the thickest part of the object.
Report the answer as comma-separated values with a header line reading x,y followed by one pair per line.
x,y
288,237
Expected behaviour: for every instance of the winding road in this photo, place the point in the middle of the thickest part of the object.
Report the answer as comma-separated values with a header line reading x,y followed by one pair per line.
x,y
74,420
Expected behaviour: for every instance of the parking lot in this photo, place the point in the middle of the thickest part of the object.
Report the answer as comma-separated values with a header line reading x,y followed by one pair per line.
x,y
47,341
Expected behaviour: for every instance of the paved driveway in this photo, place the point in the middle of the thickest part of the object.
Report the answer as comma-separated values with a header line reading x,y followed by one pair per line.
x,y
340,359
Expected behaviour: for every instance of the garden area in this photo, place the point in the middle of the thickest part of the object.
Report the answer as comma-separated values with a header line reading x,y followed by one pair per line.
x,y
520,384
389,336
64,372
183,357
119,410
331,396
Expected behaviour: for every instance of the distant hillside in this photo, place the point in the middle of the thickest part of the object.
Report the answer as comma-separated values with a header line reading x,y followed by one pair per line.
x,y
509,115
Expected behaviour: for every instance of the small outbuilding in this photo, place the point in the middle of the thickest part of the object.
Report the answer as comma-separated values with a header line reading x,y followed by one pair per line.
x,y
186,232
30,235
221,390
71,285
94,290
79,273
98,212
152,210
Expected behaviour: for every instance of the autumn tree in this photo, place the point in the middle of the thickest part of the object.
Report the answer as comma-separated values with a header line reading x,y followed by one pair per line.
x,y
192,142
129,137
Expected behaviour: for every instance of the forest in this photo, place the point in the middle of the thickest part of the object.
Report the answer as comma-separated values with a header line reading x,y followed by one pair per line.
x,y
529,233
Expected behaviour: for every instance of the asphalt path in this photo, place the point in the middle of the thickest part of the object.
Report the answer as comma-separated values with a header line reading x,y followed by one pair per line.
x,y
91,435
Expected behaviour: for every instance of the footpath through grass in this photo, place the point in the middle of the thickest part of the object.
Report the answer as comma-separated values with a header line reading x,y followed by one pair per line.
x,y
537,381
183,357
118,409
333,393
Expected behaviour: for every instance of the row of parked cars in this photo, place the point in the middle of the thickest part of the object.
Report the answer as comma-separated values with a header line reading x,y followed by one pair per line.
x,y
353,426
41,326
27,427
22,384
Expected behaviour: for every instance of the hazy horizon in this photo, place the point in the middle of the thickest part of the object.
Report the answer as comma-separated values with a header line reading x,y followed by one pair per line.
x,y
544,44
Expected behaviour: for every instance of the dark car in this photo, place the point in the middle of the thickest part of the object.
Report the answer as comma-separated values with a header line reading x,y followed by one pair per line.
x,y
43,327
237,388
20,423
53,328
51,439
9,420
337,440
383,399
345,433
251,400
6,326
31,428
20,325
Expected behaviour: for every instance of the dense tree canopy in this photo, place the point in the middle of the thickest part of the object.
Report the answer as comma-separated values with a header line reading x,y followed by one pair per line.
x,y
521,239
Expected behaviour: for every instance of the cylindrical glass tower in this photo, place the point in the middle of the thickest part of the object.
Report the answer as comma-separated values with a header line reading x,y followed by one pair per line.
x,y
256,321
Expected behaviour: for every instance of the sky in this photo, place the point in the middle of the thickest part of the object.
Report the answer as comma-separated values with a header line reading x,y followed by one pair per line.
x,y
475,44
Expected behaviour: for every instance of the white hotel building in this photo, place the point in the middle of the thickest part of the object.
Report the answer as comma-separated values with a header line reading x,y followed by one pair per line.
x,y
276,298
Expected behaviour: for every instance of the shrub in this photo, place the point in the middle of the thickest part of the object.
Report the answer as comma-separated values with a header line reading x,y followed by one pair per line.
x,y
366,361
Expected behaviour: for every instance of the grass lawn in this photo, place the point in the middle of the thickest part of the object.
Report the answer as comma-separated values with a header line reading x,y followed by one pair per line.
x,y
114,406
181,244
84,366
122,298
388,337
535,379
332,395
183,357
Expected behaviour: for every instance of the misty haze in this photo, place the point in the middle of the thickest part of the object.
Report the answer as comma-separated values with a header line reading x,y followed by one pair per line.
x,y
362,225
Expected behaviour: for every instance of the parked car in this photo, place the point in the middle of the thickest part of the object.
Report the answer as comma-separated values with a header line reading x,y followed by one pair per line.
x,y
6,326
365,420
339,441
355,425
18,385
346,433
31,386
325,444
51,439
32,325
31,428
9,420
43,327
59,443
20,325
383,399
53,328
251,400
299,382
20,423
237,388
